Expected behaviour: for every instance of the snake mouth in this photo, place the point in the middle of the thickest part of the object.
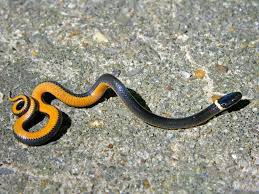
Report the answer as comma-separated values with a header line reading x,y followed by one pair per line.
x,y
230,99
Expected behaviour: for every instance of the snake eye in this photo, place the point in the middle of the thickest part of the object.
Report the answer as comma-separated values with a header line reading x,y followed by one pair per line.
x,y
230,99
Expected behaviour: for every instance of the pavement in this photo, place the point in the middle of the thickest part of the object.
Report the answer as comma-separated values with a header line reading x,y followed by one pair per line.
x,y
176,55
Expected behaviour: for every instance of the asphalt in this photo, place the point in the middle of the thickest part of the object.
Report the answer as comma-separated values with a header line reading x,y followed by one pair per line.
x,y
176,55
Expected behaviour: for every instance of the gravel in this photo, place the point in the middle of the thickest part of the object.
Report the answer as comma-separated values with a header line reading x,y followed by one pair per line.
x,y
155,48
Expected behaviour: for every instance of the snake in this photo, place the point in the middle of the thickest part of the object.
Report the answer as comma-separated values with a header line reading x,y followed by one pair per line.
x,y
26,108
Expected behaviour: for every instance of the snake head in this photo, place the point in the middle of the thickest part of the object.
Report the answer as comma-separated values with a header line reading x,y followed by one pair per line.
x,y
21,104
230,99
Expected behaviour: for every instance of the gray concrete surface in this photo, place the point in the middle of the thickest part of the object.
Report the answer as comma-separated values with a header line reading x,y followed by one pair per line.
x,y
158,49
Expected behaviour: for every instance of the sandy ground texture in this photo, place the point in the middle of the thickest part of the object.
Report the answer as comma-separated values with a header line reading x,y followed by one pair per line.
x,y
177,55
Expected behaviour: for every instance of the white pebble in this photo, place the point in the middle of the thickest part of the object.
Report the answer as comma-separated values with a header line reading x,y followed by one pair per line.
x,y
234,156
1,97
182,37
99,37
185,74
71,6
144,155
128,82
257,160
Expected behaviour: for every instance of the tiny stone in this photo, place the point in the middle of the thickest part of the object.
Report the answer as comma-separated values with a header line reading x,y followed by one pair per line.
x,y
234,156
257,161
182,191
257,128
168,87
99,37
221,68
73,33
199,73
146,184
44,183
85,44
243,45
110,146
74,170
96,124
220,45
185,74
251,45
231,29
235,117
215,97
144,155
71,5
183,37
1,97
34,53
128,82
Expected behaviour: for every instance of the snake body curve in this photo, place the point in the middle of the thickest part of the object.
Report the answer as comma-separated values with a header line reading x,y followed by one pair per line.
x,y
26,107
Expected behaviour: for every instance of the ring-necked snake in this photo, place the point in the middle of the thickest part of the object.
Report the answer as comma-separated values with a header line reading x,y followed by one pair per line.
x,y
25,107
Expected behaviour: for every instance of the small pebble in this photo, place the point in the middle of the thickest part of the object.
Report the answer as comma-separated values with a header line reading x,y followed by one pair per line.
x,y
146,184
220,45
44,183
221,68
96,124
257,128
185,74
1,97
257,161
110,146
75,170
231,29
183,37
243,45
199,73
73,33
99,37
234,156
235,117
251,44
85,44
215,97
71,6
168,87
34,53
